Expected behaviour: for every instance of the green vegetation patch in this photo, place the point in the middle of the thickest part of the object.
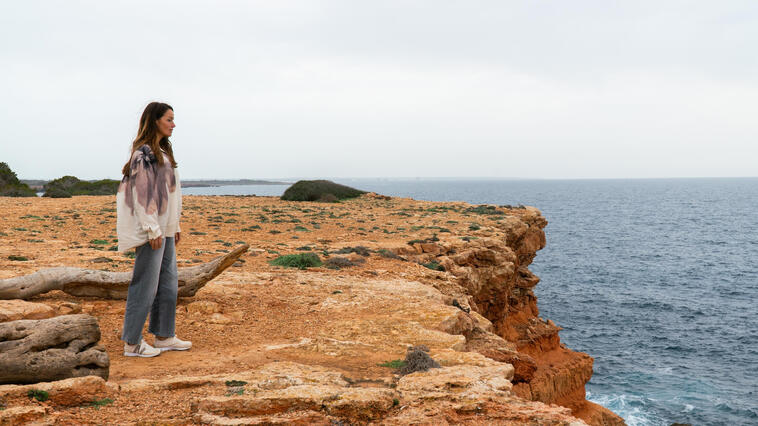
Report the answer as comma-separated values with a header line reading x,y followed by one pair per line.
x,y
67,186
319,190
18,258
394,364
360,250
389,254
96,404
37,394
433,266
10,186
432,239
235,387
342,262
484,209
300,261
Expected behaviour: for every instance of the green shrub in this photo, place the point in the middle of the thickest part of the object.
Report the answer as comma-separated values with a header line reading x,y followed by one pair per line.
x,y
37,394
10,186
363,251
67,186
338,263
432,239
319,190
395,363
18,258
300,261
96,404
57,193
484,209
389,254
434,266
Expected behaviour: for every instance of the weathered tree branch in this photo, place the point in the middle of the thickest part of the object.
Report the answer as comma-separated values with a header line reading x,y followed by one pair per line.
x,y
108,285
56,348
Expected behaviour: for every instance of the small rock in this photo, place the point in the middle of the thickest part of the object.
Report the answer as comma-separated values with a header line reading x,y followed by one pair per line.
x,y
69,392
218,318
12,310
237,316
68,308
203,307
21,415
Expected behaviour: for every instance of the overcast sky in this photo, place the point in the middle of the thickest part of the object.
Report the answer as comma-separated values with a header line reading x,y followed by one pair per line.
x,y
282,89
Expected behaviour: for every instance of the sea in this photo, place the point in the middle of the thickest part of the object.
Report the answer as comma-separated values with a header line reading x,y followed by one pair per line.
x,y
657,279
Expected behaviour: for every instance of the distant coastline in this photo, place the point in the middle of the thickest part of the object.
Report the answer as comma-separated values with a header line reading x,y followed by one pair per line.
x,y
218,182
38,184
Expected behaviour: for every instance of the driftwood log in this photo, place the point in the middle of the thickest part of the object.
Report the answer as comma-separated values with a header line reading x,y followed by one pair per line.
x,y
108,285
58,348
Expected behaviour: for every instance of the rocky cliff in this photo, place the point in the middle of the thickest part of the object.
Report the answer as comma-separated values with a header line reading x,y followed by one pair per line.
x,y
318,346
494,280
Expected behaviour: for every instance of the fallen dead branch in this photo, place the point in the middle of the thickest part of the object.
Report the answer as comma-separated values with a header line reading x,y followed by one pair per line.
x,y
108,285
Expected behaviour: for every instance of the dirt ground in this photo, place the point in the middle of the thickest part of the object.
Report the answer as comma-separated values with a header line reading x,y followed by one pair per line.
x,y
351,319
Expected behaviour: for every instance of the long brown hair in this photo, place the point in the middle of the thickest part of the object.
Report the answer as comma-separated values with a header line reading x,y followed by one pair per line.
x,y
148,135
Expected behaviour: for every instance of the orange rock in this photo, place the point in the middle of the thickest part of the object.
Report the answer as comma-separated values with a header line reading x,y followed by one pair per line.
x,y
12,310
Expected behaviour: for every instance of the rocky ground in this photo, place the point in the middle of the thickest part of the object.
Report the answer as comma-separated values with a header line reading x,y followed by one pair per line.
x,y
316,346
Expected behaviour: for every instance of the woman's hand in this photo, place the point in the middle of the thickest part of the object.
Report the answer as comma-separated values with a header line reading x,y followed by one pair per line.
x,y
156,243
177,238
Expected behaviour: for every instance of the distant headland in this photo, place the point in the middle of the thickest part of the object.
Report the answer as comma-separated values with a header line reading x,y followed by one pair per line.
x,y
189,183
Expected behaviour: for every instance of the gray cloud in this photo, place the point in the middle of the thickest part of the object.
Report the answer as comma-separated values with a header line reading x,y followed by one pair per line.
x,y
338,88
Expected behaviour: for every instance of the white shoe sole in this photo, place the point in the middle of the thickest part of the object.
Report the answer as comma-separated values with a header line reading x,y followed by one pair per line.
x,y
171,348
141,355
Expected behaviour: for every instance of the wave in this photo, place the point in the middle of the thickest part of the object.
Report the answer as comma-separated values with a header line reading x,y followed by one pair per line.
x,y
633,409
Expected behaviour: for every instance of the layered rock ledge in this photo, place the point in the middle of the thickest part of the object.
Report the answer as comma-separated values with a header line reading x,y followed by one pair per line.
x,y
277,345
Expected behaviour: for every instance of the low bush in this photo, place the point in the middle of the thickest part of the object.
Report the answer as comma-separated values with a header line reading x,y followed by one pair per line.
x,y
394,364
338,262
96,404
319,190
67,186
10,186
485,210
434,266
417,359
37,394
363,251
389,254
300,261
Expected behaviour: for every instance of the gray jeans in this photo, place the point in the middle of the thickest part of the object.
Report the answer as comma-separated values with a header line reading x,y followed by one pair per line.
x,y
153,290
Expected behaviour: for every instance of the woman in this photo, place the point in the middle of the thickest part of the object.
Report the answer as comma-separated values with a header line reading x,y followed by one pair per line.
x,y
149,205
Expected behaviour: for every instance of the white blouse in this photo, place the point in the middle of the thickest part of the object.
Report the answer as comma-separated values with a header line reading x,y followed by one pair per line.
x,y
149,200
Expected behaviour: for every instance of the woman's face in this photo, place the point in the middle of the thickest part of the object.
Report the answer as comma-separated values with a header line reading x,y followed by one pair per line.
x,y
166,123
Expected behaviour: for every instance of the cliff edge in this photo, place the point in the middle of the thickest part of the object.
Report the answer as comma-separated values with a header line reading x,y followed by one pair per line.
x,y
276,345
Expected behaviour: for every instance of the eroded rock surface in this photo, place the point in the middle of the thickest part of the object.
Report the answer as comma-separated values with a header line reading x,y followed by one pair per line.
x,y
318,346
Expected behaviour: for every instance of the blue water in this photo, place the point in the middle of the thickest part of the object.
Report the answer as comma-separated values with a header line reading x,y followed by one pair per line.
x,y
657,279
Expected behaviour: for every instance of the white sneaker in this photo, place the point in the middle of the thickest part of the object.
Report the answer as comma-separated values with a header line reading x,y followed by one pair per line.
x,y
141,349
172,344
